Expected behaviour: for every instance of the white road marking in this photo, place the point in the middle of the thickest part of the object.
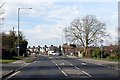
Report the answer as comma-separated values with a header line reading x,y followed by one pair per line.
x,y
22,66
26,64
83,63
53,62
57,66
13,74
87,73
34,61
37,58
62,64
66,61
64,73
76,67
71,64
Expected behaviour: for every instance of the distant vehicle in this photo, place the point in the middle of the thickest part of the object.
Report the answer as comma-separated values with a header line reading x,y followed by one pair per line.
x,y
33,53
50,52
53,53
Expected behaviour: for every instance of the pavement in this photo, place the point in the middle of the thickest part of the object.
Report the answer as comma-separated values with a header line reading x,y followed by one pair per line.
x,y
9,68
109,64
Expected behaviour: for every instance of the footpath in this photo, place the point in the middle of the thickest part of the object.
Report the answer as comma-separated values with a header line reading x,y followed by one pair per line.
x,y
9,68
109,64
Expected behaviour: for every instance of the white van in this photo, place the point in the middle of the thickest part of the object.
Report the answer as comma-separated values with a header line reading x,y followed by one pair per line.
x,y
50,52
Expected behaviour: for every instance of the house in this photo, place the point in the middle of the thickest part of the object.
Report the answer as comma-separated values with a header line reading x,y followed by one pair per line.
x,y
77,51
111,50
71,50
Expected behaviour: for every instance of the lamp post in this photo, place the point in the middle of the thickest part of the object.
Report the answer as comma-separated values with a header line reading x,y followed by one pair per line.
x,y
18,45
60,28
62,40
101,50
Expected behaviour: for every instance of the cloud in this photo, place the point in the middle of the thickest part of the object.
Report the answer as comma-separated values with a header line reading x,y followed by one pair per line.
x,y
64,12
43,22
113,34
37,7
44,34
48,11
37,36
41,32
63,0
115,16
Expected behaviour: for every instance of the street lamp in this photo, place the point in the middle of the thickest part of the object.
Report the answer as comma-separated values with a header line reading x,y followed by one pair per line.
x,y
60,28
101,50
18,46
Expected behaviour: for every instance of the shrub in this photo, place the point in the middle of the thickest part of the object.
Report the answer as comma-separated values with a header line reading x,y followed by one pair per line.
x,y
113,57
96,53
83,53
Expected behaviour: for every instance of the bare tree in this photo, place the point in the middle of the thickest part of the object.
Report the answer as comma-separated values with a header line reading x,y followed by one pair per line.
x,y
88,30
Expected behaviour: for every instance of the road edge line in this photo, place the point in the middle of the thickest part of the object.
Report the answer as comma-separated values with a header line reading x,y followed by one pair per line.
x,y
13,74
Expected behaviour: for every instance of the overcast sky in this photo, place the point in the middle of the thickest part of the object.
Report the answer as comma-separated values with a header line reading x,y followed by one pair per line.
x,y
44,23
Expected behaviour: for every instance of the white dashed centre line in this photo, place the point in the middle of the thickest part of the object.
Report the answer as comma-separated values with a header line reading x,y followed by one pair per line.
x,y
64,73
87,73
66,61
76,67
56,64
71,64
53,61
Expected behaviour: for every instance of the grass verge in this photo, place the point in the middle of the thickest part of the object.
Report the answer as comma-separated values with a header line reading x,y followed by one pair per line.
x,y
9,59
105,59
6,60
28,61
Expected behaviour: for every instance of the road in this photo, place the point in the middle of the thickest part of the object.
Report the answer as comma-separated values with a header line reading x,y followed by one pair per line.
x,y
58,67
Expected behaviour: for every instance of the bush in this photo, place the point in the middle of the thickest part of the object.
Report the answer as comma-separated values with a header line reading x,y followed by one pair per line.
x,y
96,53
113,57
6,54
83,53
